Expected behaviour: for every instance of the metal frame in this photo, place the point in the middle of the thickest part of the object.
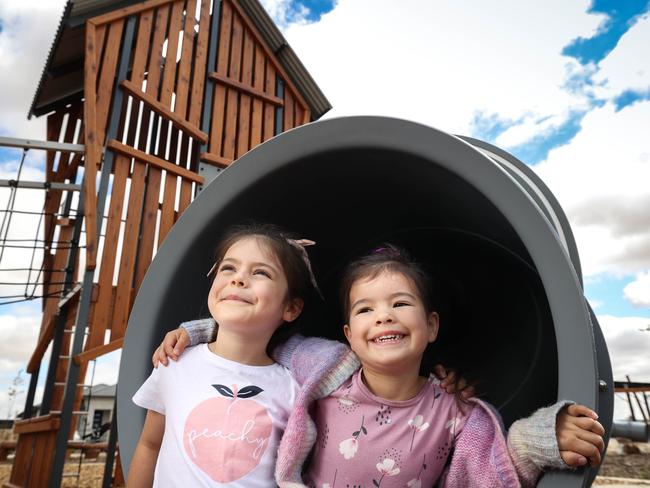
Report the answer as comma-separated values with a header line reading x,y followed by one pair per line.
x,y
279,111
40,185
209,171
45,145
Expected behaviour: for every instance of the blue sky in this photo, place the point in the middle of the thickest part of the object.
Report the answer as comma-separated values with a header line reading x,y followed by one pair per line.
x,y
564,86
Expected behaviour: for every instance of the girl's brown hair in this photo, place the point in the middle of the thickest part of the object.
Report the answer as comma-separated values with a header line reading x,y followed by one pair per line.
x,y
385,258
300,281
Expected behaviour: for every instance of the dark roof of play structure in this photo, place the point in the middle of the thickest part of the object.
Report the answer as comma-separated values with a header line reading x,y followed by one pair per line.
x,y
62,79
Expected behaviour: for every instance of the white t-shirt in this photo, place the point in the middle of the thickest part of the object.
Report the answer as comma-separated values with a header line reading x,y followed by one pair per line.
x,y
223,419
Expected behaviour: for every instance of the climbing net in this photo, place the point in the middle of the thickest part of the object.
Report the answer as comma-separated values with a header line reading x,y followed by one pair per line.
x,y
24,248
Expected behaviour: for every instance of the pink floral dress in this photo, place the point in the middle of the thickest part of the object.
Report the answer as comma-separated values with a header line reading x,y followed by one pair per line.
x,y
367,441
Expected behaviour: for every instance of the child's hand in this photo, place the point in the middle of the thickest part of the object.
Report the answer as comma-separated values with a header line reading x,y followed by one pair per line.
x,y
172,346
449,383
579,436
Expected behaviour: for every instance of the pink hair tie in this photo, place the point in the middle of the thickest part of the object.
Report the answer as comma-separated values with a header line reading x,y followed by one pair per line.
x,y
301,244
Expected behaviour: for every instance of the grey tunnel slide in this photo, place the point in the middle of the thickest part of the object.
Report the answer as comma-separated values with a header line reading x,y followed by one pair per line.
x,y
494,236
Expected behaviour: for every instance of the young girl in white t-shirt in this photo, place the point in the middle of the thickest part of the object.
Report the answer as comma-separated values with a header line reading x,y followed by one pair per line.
x,y
215,418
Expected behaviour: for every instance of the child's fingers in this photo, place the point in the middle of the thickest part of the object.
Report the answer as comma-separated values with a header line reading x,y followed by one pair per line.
x,y
168,347
589,424
585,444
577,410
449,383
595,440
573,459
159,357
468,392
154,358
183,342
571,437
439,371
162,355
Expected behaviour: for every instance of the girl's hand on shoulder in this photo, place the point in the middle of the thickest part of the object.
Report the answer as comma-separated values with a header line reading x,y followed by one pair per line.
x,y
172,347
450,383
579,436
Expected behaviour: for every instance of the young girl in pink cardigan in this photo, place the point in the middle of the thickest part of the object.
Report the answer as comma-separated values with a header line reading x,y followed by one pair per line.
x,y
383,424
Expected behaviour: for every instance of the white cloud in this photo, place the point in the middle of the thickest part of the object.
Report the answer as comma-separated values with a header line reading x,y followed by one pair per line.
x,y
19,335
285,12
638,292
528,128
28,28
628,65
628,343
601,181
106,371
442,62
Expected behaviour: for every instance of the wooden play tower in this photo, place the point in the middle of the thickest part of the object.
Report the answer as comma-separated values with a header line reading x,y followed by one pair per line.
x,y
145,103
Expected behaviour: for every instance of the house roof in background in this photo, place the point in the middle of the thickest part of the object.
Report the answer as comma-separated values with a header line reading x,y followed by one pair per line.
x,y
62,78
102,390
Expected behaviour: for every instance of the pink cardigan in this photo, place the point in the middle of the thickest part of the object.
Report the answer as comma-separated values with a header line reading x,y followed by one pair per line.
x,y
482,456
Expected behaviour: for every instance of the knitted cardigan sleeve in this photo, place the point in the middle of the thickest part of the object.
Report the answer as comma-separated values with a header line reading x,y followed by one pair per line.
x,y
200,331
532,444
483,457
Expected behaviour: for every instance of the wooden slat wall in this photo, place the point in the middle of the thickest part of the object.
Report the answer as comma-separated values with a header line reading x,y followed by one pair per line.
x,y
33,458
245,68
169,66
174,54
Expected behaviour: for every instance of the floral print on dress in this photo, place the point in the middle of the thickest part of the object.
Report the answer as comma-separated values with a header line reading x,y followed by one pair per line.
x,y
347,403
387,468
350,446
392,453
383,415
436,393
417,482
324,436
418,424
443,451
451,425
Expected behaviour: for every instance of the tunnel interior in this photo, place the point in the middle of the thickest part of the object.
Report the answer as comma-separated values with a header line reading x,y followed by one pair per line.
x,y
496,326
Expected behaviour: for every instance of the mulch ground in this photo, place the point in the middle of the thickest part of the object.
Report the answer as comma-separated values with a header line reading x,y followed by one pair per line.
x,y
628,466
91,475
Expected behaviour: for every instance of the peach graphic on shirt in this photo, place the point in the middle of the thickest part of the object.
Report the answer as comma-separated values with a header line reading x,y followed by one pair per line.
x,y
227,436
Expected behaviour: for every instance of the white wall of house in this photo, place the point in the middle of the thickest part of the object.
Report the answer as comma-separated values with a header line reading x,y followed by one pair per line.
x,y
100,411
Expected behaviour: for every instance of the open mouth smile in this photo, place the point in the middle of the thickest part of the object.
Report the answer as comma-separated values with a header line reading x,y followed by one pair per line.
x,y
388,338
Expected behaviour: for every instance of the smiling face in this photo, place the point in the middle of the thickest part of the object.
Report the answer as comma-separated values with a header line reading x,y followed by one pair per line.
x,y
249,293
388,327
